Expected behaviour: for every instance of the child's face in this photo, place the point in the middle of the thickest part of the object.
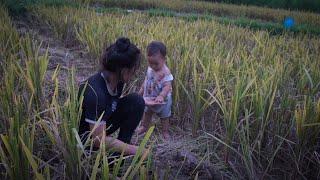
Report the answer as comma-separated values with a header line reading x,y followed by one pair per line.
x,y
156,61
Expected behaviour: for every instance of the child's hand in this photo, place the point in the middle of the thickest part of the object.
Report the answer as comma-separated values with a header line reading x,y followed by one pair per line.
x,y
159,99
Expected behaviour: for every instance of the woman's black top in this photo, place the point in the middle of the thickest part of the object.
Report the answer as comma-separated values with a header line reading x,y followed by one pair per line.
x,y
97,101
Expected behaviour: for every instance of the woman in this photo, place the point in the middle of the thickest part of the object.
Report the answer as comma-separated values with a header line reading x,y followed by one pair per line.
x,y
101,98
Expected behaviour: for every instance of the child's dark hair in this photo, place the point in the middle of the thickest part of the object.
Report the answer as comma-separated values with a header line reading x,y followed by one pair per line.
x,y
156,47
119,55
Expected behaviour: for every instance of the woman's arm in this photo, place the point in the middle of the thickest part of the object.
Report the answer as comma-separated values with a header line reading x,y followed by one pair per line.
x,y
141,91
116,144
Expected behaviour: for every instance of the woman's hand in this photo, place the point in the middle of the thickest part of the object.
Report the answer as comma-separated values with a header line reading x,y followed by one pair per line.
x,y
98,135
132,149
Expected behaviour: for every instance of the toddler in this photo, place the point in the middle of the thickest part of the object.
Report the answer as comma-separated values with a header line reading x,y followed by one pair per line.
x,y
157,87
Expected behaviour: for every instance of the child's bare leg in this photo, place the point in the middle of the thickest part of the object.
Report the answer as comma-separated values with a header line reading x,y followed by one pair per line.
x,y
165,127
145,123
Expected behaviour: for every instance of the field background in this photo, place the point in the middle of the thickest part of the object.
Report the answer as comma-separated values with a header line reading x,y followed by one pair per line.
x,y
246,89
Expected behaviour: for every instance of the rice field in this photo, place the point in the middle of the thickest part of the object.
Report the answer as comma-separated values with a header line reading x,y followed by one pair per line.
x,y
216,8
247,102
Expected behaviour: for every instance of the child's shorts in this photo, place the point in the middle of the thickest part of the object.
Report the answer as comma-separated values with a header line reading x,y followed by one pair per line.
x,y
163,110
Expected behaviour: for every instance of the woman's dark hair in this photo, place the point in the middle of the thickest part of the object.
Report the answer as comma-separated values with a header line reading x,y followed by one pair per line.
x,y
119,55
155,47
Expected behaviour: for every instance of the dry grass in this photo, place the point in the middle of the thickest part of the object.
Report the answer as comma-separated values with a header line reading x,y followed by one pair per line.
x,y
263,89
257,81
220,9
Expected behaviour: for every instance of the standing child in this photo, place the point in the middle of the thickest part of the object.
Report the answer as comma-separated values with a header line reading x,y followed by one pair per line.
x,y
157,87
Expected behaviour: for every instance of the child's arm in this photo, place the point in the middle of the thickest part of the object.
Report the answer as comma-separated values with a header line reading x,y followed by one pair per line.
x,y
165,91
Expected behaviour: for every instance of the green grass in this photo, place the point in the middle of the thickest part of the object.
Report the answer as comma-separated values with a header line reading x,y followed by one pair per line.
x,y
254,24
252,95
18,7
216,9
272,27
30,123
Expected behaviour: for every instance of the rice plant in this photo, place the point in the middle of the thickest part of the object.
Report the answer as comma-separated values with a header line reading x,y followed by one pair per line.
x,y
9,37
219,9
259,92
35,69
18,128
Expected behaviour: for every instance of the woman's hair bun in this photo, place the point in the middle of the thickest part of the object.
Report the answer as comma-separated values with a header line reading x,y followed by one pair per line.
x,y
121,54
122,44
